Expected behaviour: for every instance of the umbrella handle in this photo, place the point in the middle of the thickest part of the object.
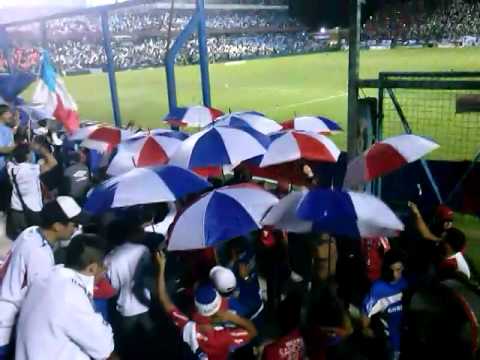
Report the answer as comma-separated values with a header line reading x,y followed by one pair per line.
x,y
133,161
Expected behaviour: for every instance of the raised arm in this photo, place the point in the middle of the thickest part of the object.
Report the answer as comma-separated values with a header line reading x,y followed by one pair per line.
x,y
163,296
420,224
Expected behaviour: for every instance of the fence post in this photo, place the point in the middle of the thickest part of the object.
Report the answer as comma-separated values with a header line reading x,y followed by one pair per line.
x,y
5,47
353,76
111,69
408,130
43,34
170,60
203,50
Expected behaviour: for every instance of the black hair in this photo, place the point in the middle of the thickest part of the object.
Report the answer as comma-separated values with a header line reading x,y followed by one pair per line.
x,y
391,257
83,250
47,222
126,227
42,122
455,238
21,152
21,135
42,140
3,109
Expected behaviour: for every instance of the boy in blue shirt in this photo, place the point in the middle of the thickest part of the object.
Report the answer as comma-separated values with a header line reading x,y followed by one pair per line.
x,y
385,300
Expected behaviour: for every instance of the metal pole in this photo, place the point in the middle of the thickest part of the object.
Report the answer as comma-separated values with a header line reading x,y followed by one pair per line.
x,y
377,183
170,59
111,69
457,187
408,130
5,46
353,76
43,35
203,50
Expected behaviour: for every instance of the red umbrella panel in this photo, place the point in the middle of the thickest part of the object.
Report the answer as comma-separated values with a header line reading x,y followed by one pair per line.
x,y
386,156
292,145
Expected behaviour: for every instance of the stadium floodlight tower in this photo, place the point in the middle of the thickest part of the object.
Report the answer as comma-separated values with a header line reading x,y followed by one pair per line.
x,y
196,23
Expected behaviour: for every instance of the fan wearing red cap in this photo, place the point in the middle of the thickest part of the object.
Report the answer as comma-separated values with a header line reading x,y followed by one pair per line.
x,y
216,342
442,222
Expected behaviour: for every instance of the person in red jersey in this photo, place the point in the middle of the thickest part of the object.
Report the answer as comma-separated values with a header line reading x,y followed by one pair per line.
x,y
207,341
290,345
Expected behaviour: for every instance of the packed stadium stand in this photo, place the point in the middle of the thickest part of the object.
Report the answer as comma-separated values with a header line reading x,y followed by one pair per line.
x,y
141,33
410,21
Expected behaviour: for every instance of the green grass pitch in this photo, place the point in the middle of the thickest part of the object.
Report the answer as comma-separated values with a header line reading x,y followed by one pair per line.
x,y
280,87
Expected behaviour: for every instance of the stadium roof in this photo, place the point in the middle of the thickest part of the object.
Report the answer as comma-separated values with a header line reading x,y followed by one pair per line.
x,y
120,5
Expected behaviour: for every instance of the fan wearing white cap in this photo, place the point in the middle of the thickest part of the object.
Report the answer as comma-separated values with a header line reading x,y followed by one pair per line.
x,y
223,279
240,299
215,342
31,257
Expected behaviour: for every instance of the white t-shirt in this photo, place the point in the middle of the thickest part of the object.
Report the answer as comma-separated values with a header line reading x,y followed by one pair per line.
x,y
462,265
30,257
123,264
58,321
28,180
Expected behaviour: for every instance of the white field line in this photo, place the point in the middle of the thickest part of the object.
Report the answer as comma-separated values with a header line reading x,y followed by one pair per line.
x,y
233,63
312,101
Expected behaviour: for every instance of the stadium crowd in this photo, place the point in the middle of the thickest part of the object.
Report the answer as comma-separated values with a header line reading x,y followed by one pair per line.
x,y
406,22
73,55
108,288
129,23
148,18
72,50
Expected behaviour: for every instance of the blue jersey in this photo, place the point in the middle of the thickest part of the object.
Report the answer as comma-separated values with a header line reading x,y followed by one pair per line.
x,y
386,299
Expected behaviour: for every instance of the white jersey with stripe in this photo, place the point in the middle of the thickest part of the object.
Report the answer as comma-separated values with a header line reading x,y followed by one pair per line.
x,y
31,257
58,320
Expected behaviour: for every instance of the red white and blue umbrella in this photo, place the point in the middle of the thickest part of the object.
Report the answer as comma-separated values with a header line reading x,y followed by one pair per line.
x,y
145,149
147,185
293,145
105,138
283,216
255,120
386,156
194,116
218,146
81,133
317,124
220,215
349,213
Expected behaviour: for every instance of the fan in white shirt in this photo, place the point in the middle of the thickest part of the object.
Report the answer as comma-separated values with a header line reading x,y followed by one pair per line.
x,y
131,272
31,257
124,267
27,176
57,319
26,190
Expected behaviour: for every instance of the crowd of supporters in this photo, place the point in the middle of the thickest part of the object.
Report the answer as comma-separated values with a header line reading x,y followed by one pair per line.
x,y
148,18
248,36
140,37
73,55
73,49
409,21
267,295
